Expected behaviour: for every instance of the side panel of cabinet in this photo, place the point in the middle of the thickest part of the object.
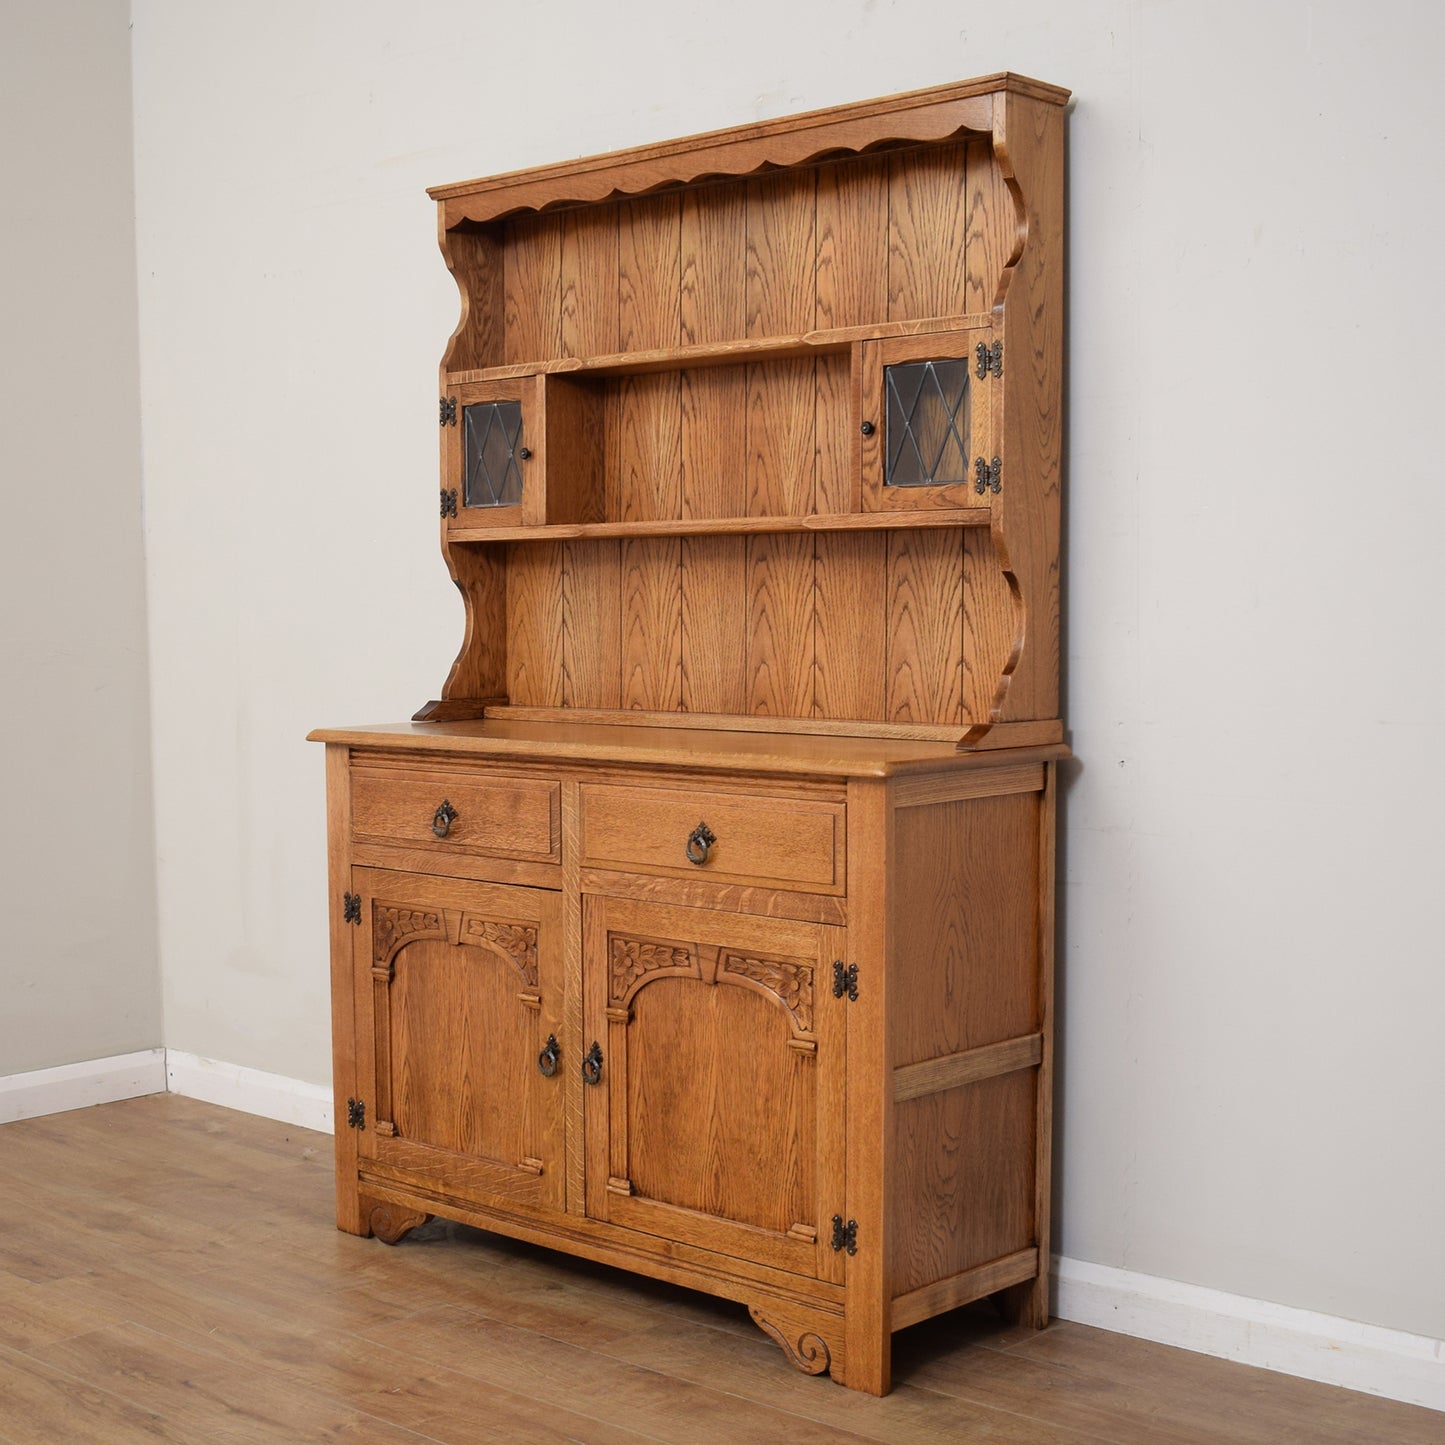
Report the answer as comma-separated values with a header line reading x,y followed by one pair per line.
x,y
717,1115
970,1027
458,988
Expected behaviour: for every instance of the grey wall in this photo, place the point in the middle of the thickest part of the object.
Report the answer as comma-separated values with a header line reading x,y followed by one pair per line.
x,y
79,976
1252,976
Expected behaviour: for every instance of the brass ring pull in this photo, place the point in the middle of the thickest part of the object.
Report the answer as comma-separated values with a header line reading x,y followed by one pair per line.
x,y
699,844
592,1064
547,1060
443,818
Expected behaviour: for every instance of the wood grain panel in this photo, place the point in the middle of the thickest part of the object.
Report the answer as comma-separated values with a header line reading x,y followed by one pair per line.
x,y
990,227
781,253
965,913
714,625
533,289
963,1187
926,212
852,241
835,476
649,247
592,624
850,625
573,450
684,1047
714,404
589,297
782,399
461,1051
988,625
714,264
644,447
534,624
652,623
925,626
780,625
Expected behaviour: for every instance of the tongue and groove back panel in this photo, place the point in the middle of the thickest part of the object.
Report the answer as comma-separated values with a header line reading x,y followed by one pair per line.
x,y
896,626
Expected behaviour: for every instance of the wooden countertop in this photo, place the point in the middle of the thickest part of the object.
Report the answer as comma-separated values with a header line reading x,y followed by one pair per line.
x,y
785,753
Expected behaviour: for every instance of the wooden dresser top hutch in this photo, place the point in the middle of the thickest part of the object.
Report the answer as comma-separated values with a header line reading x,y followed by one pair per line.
x,y
732,828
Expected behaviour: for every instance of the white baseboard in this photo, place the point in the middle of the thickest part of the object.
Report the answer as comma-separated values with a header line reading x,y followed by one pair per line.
x,y
78,1086
273,1096
1292,1341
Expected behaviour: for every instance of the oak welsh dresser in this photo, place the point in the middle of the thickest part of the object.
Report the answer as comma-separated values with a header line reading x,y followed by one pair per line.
x,y
703,926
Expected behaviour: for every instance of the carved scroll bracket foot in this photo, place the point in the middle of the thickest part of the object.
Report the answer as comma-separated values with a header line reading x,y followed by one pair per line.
x,y
793,1330
391,1223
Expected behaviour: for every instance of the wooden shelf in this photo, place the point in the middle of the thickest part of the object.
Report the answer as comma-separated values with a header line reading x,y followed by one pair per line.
x,y
979,516
723,353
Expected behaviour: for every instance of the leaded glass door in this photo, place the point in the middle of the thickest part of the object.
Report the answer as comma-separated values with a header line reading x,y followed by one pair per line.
x,y
491,454
930,406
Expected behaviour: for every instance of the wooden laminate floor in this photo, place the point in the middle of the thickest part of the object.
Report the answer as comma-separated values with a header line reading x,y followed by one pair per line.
x,y
169,1271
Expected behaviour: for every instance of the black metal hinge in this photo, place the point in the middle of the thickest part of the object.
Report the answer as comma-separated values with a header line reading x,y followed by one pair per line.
x,y
447,410
989,359
845,1236
845,980
355,1114
351,908
449,503
986,476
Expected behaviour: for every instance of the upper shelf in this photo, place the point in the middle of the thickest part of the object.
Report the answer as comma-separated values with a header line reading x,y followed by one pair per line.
x,y
829,342
920,116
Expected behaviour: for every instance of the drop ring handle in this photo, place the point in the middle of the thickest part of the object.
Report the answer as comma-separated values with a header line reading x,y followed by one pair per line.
x,y
443,818
547,1060
592,1064
699,844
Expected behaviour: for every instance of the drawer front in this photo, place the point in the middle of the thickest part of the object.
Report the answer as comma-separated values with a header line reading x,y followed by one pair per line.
x,y
782,842
492,814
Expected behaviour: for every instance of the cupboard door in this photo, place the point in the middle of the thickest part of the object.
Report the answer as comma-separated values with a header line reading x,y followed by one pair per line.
x,y
930,423
492,454
458,992
715,1112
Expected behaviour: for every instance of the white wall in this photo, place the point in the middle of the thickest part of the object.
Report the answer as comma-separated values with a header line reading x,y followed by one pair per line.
x,y
78,972
1252,977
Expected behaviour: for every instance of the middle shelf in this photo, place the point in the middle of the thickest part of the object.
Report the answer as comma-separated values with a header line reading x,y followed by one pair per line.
x,y
726,526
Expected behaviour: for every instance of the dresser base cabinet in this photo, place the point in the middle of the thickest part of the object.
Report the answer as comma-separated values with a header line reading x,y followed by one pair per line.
x,y
813,1079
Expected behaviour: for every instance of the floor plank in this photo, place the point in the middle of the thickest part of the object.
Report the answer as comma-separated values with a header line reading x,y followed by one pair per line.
x,y
169,1271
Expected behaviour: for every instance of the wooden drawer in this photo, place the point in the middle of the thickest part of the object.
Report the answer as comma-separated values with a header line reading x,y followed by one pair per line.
x,y
780,842
493,814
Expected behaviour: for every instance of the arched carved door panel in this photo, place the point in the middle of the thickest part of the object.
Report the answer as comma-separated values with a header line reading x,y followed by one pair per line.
x,y
717,1116
458,989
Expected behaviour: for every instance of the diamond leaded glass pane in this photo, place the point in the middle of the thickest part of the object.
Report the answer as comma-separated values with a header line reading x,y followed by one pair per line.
x,y
927,423
492,435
